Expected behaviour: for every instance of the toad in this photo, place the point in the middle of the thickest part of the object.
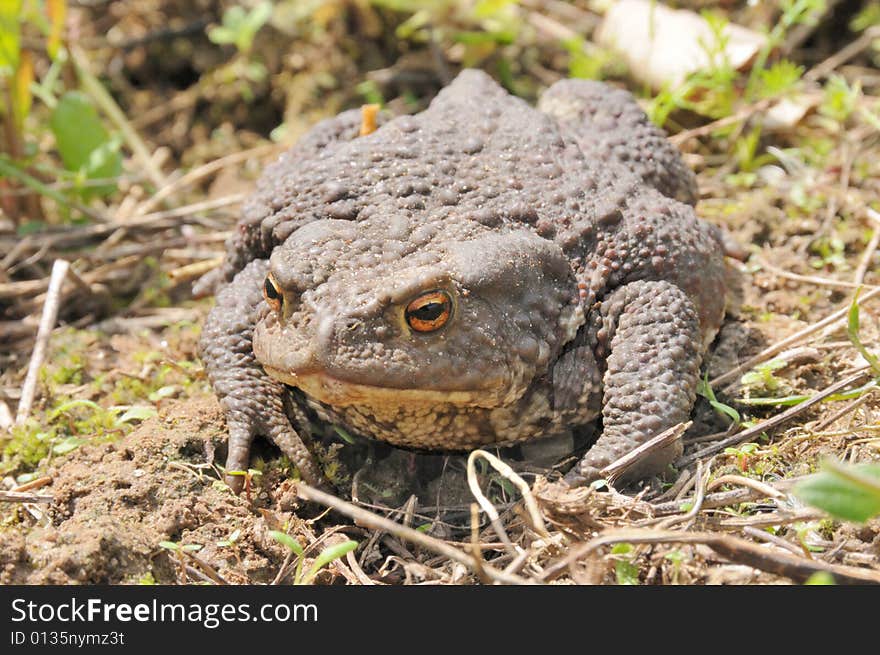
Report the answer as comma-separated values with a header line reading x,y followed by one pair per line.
x,y
483,272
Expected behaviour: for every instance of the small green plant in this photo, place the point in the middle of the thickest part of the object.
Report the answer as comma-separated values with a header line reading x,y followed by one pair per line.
x,y
180,551
839,99
241,26
869,16
248,476
763,378
65,428
232,542
147,579
706,391
625,570
89,154
820,578
588,61
743,454
846,492
780,79
239,29
830,253
326,556
852,331
676,557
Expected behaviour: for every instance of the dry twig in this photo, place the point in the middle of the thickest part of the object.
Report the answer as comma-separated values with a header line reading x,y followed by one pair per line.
x,y
735,549
830,320
24,497
777,420
47,323
375,522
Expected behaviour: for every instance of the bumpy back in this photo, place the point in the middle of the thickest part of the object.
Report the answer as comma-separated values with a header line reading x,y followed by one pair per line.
x,y
610,126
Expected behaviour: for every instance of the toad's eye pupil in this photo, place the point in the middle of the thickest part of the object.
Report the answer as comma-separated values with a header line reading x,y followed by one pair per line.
x,y
271,291
429,312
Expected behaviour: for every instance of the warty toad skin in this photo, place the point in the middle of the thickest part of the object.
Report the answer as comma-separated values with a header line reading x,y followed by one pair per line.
x,y
482,272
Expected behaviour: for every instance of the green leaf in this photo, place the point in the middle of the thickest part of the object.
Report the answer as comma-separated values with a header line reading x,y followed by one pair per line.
x,y
10,35
138,413
286,540
779,78
850,493
170,545
627,573
231,539
164,392
66,445
820,578
57,10
621,549
705,390
83,142
489,8
328,555
73,404
343,434
240,28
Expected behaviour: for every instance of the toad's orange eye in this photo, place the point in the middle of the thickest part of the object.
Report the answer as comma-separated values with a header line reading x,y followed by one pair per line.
x,y
272,293
429,312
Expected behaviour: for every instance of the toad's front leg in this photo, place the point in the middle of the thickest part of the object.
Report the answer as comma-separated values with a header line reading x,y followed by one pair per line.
x,y
651,339
252,401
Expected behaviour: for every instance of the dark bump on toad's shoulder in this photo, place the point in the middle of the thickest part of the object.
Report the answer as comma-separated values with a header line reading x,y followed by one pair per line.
x,y
611,217
447,197
523,212
472,145
334,191
403,188
344,210
487,217
407,124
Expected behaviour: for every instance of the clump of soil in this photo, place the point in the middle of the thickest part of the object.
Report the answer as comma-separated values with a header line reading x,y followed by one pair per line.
x,y
115,502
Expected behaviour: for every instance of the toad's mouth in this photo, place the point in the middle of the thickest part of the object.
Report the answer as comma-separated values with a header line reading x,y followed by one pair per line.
x,y
340,393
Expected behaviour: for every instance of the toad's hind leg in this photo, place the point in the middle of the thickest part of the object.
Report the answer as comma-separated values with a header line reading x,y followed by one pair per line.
x,y
252,401
650,337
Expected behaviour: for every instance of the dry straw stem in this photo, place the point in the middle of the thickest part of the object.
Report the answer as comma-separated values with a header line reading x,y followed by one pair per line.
x,y
735,549
739,480
209,571
870,249
70,237
843,55
843,411
24,497
37,483
723,498
509,474
832,319
619,467
6,419
810,279
194,270
201,172
776,421
376,522
697,503
47,323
